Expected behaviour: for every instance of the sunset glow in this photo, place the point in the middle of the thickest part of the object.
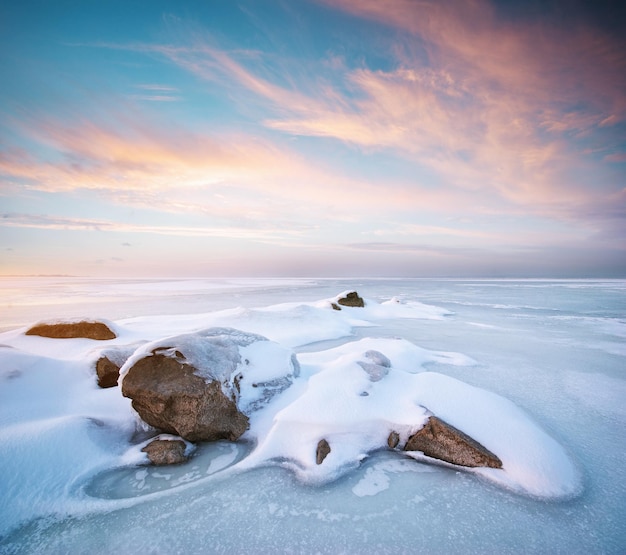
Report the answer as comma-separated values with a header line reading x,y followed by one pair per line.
x,y
328,138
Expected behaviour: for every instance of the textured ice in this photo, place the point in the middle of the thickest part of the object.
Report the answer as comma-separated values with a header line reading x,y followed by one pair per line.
x,y
541,387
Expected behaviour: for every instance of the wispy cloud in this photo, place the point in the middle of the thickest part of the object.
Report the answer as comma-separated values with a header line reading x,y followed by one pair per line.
x,y
157,93
489,106
84,224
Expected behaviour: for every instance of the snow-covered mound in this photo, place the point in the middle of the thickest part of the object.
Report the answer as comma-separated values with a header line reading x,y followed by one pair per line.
x,y
355,395
58,429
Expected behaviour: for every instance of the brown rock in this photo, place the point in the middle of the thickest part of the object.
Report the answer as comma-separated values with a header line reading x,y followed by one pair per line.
x,y
335,306
322,451
393,440
166,451
108,372
72,330
440,440
168,395
352,299
109,362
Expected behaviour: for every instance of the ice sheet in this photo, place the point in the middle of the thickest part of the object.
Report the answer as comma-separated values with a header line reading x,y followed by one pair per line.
x,y
64,443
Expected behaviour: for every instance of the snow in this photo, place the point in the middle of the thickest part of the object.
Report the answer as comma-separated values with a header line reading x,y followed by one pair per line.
x,y
70,449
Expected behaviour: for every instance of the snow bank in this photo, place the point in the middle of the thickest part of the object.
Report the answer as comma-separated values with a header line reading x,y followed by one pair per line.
x,y
359,393
58,429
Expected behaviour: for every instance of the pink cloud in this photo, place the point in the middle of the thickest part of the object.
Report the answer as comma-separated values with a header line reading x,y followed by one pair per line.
x,y
616,157
495,106
132,160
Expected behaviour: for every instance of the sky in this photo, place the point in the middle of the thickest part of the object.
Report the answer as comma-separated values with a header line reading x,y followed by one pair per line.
x,y
326,138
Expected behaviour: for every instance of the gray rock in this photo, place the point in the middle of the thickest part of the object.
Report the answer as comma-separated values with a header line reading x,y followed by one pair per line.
x,y
378,368
378,358
439,440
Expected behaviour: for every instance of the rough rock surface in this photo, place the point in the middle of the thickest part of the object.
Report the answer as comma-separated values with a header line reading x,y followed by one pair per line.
x,y
352,299
166,451
322,451
440,440
168,394
108,372
109,362
73,330
393,440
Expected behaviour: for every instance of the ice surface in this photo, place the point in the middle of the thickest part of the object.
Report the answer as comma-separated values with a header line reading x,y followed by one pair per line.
x,y
532,369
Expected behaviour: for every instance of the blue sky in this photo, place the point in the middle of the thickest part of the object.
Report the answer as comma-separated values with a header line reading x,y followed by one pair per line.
x,y
316,138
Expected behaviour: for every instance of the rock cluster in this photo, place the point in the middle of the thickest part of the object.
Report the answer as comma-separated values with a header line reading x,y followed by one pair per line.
x,y
199,387
204,386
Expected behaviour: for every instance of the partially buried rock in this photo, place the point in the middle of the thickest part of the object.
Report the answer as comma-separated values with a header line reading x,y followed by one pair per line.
x,y
72,330
323,449
440,440
108,372
109,363
379,366
166,451
169,395
200,387
393,440
352,299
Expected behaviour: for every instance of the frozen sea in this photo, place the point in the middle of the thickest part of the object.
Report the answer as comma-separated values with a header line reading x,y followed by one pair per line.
x,y
554,348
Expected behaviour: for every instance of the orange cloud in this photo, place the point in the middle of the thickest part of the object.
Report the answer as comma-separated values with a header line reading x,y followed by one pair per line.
x,y
134,161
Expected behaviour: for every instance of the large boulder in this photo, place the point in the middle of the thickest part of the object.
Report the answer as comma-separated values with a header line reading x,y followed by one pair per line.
x,y
203,386
439,440
168,394
72,330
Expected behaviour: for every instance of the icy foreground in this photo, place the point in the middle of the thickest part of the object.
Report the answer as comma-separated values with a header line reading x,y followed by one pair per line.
x,y
63,439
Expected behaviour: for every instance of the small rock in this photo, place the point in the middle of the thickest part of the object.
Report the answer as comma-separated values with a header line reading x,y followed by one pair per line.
x,y
166,451
335,306
352,299
393,440
378,358
108,372
109,362
322,451
374,371
72,330
440,440
378,368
